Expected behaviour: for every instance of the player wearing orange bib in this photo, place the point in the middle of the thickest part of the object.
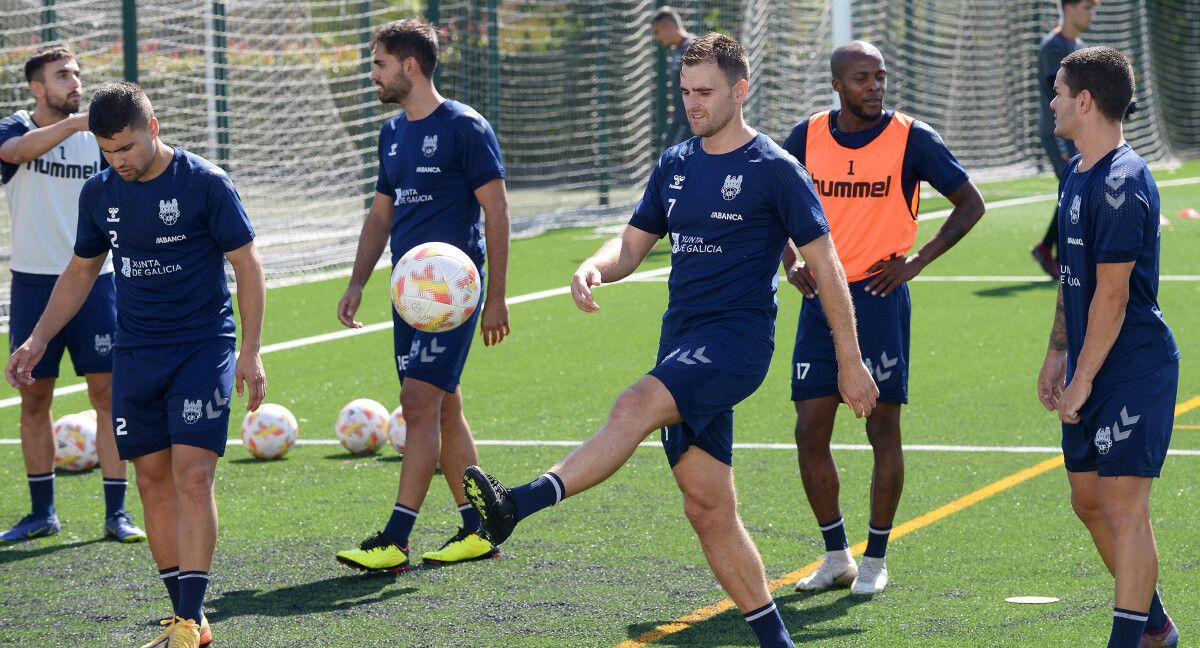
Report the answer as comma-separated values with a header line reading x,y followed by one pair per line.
x,y
867,165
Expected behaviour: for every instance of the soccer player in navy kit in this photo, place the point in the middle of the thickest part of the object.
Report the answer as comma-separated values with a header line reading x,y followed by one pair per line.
x,y
170,219
45,157
1112,367
729,200
867,164
439,162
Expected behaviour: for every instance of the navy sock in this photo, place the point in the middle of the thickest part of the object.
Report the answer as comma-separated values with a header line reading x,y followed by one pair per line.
x,y
543,492
192,587
1127,628
114,496
170,579
41,494
400,525
877,540
835,535
470,516
768,626
1157,618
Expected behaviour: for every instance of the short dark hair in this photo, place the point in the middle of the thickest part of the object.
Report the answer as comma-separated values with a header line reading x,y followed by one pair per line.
x,y
116,105
33,67
410,37
723,50
1106,74
666,13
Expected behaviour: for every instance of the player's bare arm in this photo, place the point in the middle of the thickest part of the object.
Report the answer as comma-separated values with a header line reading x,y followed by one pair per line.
x,y
615,260
1053,374
968,209
371,241
493,321
35,143
70,291
1106,314
857,387
797,272
252,299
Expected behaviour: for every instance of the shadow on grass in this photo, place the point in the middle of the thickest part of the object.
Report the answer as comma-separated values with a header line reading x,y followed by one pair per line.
x,y
729,629
332,594
37,548
1007,290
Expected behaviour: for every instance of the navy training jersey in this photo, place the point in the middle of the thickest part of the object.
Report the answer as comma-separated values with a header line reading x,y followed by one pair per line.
x,y
1109,214
431,168
925,159
729,217
168,238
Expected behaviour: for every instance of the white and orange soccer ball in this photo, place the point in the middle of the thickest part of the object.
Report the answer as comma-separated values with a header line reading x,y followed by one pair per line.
x,y
435,287
397,429
270,431
75,442
362,426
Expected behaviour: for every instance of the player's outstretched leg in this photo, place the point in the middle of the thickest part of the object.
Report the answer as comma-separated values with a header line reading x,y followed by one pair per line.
x,y
37,444
818,472
644,406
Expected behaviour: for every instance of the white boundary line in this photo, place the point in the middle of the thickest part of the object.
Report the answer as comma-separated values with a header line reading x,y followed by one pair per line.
x,y
369,328
1029,200
854,447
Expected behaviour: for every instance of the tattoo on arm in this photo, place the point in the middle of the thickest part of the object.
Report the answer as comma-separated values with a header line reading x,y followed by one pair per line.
x,y
1058,332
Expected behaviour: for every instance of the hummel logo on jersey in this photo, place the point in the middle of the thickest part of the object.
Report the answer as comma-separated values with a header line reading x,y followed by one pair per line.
x,y
1074,212
168,211
429,169
103,343
191,410
112,215
392,151
720,215
732,187
1074,241
677,182
429,146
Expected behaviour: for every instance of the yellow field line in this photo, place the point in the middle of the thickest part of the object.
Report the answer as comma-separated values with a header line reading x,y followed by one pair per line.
x,y
1187,406
710,611
1187,427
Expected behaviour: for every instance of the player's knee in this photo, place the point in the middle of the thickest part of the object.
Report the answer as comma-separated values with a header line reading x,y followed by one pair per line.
x,y
100,396
35,405
1122,518
636,408
420,404
154,484
708,514
195,481
1087,509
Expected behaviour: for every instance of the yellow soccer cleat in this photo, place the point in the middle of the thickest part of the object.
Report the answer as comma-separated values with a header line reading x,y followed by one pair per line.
x,y
376,554
205,629
178,633
463,547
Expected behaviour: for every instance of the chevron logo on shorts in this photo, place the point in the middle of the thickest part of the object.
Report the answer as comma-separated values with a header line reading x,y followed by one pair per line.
x,y
430,353
696,357
878,369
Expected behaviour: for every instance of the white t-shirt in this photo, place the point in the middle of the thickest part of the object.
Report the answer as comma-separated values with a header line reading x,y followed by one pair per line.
x,y
43,198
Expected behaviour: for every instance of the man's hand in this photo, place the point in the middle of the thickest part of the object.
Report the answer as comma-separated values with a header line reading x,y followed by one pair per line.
x,y
584,279
802,278
892,273
1073,399
494,321
250,371
77,122
1051,379
857,387
348,306
20,366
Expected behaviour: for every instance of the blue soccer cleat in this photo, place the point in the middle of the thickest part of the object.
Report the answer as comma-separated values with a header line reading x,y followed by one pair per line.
x,y
30,527
122,529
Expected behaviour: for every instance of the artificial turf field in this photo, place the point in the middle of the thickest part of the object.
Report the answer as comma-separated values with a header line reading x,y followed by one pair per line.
x,y
611,564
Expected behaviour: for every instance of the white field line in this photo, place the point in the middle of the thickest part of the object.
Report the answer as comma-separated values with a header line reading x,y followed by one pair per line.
x,y
369,328
973,278
1029,200
737,446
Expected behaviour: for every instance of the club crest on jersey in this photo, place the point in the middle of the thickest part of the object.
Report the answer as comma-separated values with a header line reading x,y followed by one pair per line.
x,y
168,211
429,146
192,411
112,215
1104,440
1074,212
103,343
732,187
125,270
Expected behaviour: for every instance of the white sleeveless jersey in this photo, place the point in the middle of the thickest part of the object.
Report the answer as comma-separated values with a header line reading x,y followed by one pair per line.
x,y
43,199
